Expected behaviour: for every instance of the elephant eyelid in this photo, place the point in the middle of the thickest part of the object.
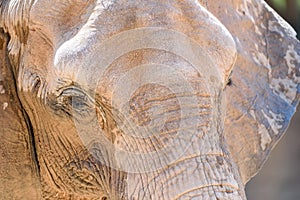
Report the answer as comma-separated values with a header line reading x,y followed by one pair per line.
x,y
73,100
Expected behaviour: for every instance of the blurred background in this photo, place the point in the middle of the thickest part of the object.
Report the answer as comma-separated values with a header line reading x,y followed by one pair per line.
x,y
279,178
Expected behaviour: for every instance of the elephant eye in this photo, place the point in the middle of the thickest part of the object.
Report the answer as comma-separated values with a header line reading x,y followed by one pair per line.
x,y
229,82
73,101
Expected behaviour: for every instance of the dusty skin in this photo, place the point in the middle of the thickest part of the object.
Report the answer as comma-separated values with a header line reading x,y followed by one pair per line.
x,y
141,99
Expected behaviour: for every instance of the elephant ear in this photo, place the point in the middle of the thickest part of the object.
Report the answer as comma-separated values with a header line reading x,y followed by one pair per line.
x,y
264,91
18,169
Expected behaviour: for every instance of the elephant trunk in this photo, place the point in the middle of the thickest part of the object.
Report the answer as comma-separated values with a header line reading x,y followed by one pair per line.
x,y
167,136
190,159
199,177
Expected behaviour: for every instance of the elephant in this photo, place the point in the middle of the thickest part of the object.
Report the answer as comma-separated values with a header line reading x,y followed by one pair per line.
x,y
115,99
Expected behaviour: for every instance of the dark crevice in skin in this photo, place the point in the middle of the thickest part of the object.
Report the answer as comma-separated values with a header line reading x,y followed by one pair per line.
x,y
32,141
32,144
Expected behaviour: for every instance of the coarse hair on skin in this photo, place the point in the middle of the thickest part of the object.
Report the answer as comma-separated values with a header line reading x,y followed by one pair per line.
x,y
14,18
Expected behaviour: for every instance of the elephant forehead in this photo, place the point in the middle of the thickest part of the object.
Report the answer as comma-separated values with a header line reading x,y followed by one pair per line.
x,y
185,28
91,65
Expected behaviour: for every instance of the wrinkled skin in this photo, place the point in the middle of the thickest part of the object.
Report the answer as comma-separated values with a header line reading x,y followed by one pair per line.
x,y
126,100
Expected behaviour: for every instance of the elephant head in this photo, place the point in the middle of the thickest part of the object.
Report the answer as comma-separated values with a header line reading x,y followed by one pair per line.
x,y
141,99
